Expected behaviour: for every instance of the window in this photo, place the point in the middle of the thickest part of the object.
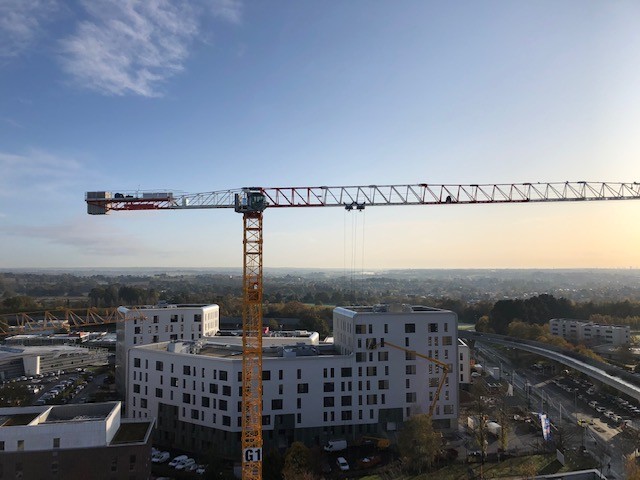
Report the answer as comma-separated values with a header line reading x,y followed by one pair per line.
x,y
226,390
174,318
328,386
299,374
383,356
195,414
186,370
276,404
159,366
222,405
226,420
1,445
345,372
409,328
433,327
409,355
174,381
410,397
303,388
143,403
372,371
410,369
346,415
136,388
266,420
56,443
136,362
361,357
372,399
383,384
158,393
361,329
186,398
223,375
328,401
266,375
448,409
346,400
197,317
433,381
213,388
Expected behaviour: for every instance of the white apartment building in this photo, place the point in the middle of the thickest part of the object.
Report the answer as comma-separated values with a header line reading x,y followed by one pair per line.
x,y
464,360
161,323
590,332
311,391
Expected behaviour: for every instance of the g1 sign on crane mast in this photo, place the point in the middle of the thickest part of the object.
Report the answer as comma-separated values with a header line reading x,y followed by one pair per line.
x,y
252,202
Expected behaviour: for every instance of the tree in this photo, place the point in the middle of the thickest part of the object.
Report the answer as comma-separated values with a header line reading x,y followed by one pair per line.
x,y
272,465
297,462
419,444
482,325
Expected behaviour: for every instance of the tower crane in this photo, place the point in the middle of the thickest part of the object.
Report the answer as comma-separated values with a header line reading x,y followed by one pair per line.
x,y
445,369
251,203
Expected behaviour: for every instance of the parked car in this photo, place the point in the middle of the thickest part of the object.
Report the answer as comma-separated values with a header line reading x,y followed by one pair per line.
x,y
185,464
342,464
177,460
160,457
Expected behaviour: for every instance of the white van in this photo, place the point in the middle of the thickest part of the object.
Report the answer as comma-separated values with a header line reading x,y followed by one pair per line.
x,y
335,445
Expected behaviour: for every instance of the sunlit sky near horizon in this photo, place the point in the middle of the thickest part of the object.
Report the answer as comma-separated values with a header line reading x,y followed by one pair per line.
x,y
202,95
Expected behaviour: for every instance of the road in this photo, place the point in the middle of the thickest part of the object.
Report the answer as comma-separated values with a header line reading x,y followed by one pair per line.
x,y
605,442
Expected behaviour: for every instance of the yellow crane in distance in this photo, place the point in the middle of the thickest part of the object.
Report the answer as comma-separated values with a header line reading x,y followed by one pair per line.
x,y
251,203
445,370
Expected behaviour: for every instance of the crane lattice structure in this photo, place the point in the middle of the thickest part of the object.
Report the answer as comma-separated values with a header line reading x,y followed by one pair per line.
x,y
67,319
252,201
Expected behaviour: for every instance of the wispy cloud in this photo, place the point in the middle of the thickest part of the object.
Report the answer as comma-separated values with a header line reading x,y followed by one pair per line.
x,y
10,121
21,22
132,47
97,240
39,171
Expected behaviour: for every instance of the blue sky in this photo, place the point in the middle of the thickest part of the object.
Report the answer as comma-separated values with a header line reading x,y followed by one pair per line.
x,y
201,95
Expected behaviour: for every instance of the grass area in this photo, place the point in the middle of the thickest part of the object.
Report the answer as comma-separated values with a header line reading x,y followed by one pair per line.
x,y
519,467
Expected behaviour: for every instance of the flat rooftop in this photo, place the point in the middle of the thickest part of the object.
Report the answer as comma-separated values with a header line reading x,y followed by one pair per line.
x,y
132,432
392,308
17,420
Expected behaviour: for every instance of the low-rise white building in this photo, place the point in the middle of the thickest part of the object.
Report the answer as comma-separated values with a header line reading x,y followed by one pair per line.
x,y
312,391
68,441
161,323
590,332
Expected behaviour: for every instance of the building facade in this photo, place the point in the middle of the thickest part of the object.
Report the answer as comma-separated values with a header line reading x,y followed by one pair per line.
x,y
161,323
464,360
590,332
73,442
312,391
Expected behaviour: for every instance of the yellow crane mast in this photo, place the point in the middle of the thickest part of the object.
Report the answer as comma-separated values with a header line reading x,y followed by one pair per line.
x,y
252,202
